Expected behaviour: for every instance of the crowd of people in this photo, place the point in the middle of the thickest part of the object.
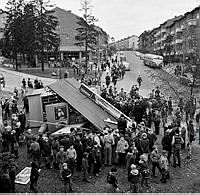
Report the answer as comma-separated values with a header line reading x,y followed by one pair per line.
x,y
36,84
133,147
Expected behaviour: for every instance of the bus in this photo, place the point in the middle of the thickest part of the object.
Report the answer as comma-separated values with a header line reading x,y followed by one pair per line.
x,y
153,61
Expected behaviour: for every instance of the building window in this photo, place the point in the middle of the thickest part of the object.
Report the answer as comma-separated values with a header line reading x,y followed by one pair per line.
x,y
197,16
58,26
67,36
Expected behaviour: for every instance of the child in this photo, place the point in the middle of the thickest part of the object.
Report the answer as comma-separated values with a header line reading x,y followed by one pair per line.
x,y
131,156
155,158
22,140
66,175
112,180
134,179
164,166
85,166
144,170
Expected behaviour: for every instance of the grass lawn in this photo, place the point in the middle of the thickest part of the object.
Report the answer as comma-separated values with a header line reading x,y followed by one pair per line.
x,y
48,72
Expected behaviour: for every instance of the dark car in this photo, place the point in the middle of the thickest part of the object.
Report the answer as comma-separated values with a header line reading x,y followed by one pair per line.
x,y
2,80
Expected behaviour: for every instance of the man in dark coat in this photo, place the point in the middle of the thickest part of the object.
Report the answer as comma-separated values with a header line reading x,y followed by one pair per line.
x,y
167,144
122,124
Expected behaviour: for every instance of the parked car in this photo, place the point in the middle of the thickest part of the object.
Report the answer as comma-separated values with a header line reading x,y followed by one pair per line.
x,y
2,79
126,64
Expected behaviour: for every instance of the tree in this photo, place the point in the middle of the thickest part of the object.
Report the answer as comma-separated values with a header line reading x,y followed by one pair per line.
x,y
87,34
46,37
191,54
13,28
30,29
168,47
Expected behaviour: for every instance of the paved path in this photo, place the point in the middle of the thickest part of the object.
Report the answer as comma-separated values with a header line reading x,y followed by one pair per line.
x,y
14,79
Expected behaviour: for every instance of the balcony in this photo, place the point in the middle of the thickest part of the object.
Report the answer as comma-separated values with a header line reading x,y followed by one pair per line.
x,y
163,30
158,33
179,41
178,30
182,27
163,38
192,22
158,40
172,32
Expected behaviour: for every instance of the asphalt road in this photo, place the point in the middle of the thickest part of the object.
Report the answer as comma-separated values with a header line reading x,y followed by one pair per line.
x,y
136,68
14,79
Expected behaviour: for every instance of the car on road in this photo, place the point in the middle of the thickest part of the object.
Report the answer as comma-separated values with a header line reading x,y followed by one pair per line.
x,y
123,60
127,65
2,79
137,53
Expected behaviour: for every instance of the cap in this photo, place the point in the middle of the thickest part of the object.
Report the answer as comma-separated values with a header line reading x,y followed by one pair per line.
x,y
133,166
134,172
144,135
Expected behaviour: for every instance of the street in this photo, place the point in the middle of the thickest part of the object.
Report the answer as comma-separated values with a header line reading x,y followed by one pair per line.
x,y
136,68
14,79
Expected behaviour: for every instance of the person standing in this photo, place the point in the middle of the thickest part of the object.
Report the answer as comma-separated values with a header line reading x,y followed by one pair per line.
x,y
35,151
108,143
71,158
155,158
97,158
170,106
22,120
112,180
139,80
156,120
61,157
107,80
29,139
122,146
134,178
191,133
85,166
12,174
144,170
66,175
122,124
5,181
164,166
167,144
177,142
34,177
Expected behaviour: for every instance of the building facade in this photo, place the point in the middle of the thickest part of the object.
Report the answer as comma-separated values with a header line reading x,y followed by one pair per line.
x,y
128,43
66,29
67,32
177,38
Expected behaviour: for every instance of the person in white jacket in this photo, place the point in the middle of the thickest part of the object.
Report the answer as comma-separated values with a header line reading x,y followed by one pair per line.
x,y
122,146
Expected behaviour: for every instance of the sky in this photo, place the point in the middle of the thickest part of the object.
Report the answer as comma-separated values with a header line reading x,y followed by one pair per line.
x,y
122,18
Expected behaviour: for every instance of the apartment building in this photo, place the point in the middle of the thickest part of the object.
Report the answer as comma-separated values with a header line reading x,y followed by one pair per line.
x,y
67,32
184,33
2,26
128,43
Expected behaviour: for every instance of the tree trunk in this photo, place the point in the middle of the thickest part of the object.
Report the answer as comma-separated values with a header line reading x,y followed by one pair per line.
x,y
16,62
86,59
